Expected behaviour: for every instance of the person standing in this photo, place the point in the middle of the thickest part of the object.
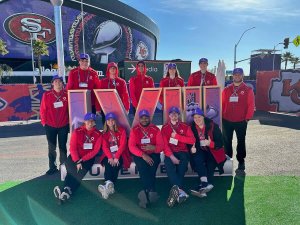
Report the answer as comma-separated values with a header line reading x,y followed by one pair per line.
x,y
207,153
115,155
55,120
85,143
138,82
238,109
202,77
146,143
113,81
176,136
172,79
84,77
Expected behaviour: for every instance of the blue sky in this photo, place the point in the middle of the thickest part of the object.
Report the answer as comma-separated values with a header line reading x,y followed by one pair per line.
x,y
191,29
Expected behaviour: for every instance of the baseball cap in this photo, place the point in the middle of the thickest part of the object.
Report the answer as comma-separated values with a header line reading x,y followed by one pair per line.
x,y
198,111
172,66
144,112
238,71
89,116
174,109
84,56
56,76
110,116
203,60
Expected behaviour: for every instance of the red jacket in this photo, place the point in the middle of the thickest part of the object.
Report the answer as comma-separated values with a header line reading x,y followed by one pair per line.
x,y
119,84
168,82
196,77
88,76
136,85
121,142
51,116
137,134
241,110
80,136
184,136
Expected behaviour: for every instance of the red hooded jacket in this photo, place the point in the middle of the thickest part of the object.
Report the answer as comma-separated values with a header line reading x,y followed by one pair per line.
x,y
196,77
54,116
137,83
168,82
121,139
118,83
88,76
241,110
138,132
184,136
80,136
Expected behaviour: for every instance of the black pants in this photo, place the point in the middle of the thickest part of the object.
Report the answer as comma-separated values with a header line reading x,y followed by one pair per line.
x,y
111,172
53,134
176,172
147,173
74,177
240,129
204,164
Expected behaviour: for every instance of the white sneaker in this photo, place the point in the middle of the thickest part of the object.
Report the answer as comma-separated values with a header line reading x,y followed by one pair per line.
x,y
57,192
110,187
209,187
104,192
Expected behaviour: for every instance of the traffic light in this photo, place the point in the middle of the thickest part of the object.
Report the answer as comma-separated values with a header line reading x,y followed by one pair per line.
x,y
286,42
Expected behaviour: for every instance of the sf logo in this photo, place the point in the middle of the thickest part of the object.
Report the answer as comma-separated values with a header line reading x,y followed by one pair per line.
x,y
33,26
291,90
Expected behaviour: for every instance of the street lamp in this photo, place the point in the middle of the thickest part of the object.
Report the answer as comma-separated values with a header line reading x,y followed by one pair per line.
x,y
235,62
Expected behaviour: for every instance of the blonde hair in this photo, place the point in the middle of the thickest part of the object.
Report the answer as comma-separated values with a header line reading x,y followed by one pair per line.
x,y
106,127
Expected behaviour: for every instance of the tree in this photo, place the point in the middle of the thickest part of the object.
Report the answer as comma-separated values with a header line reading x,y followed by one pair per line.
x,y
287,56
295,61
40,49
5,70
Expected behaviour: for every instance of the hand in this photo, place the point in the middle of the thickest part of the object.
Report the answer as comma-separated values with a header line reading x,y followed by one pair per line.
x,y
173,134
148,147
79,167
207,142
174,160
148,159
116,161
111,162
193,149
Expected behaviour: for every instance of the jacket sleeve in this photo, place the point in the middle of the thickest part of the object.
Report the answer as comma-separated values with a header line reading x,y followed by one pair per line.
x,y
161,99
132,145
123,144
167,150
190,80
73,147
70,83
159,142
43,110
214,81
152,82
97,85
106,148
188,138
132,92
95,150
125,97
250,110
217,141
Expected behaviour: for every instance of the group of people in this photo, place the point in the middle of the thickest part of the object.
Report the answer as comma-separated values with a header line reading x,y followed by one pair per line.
x,y
200,143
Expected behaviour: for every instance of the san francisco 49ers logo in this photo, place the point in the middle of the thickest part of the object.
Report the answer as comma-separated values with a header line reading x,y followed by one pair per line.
x,y
24,26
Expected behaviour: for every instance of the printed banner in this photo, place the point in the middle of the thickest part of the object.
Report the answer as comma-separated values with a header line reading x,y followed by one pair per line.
x,y
191,100
148,101
21,101
172,97
110,101
212,103
79,105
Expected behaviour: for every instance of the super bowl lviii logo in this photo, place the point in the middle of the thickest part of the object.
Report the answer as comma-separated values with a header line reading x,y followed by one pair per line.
x,y
24,26
285,91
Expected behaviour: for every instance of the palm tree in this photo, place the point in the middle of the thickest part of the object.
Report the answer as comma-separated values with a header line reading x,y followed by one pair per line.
x,y
295,61
5,70
40,49
285,58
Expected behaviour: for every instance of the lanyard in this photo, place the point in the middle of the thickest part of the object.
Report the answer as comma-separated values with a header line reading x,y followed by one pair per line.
x,y
201,132
174,127
113,82
172,80
57,97
235,90
144,132
114,139
88,139
203,79
87,77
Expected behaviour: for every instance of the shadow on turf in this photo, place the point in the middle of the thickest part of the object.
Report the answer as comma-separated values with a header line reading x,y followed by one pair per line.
x,y
32,202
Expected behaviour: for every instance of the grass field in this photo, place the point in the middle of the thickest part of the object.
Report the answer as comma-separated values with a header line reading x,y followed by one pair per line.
x,y
256,200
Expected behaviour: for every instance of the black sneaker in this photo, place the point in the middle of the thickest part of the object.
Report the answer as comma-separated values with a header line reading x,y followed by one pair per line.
x,y
153,196
52,171
174,193
241,166
142,196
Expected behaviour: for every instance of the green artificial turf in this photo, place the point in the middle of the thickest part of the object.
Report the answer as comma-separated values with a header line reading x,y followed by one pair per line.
x,y
234,200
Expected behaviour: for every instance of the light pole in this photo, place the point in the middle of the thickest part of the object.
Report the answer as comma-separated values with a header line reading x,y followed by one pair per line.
x,y
274,51
235,62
